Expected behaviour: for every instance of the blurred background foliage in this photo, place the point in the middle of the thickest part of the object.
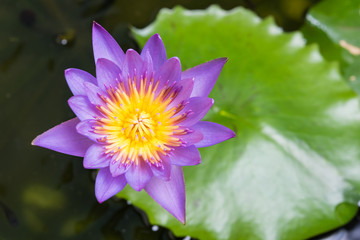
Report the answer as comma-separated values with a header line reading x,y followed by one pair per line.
x,y
47,195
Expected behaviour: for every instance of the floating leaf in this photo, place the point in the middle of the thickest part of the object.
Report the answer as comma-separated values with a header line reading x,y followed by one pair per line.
x,y
293,170
339,19
335,25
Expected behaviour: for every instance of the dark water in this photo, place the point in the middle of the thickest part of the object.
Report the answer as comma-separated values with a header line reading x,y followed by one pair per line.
x,y
44,194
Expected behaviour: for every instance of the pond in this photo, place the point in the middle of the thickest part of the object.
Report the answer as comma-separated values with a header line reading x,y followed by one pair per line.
x,y
48,195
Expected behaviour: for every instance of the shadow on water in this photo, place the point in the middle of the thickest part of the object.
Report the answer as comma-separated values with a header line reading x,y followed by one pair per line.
x,y
47,195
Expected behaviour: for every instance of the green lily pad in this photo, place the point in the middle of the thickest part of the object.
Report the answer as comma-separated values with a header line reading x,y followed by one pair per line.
x,y
339,19
293,170
335,25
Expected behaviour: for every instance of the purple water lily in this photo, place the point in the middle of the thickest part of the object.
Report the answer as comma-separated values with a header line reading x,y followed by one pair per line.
x,y
138,121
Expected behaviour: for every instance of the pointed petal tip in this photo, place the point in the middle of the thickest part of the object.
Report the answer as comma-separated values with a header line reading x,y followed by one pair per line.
x,y
155,49
102,198
180,216
176,59
214,133
107,186
130,50
205,75
99,200
105,46
64,138
67,70
69,101
224,59
171,194
182,220
95,24
220,62
38,141
75,79
157,36
231,133
33,142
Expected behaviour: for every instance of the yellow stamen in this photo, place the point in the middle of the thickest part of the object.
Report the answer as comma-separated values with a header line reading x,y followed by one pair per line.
x,y
136,122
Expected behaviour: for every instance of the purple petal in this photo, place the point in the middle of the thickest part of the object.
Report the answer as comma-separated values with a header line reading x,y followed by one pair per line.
x,y
196,109
93,93
95,157
65,139
148,65
134,65
213,133
82,107
107,73
86,128
75,78
170,194
155,47
205,76
138,176
191,138
186,156
164,170
105,46
107,186
117,168
186,87
169,72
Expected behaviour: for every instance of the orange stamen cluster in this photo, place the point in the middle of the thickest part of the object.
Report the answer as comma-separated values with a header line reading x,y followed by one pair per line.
x,y
137,123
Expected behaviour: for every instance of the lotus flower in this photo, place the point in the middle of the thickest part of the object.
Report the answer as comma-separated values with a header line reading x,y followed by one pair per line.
x,y
138,121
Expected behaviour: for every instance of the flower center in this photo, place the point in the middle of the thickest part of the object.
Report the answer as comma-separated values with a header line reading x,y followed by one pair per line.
x,y
138,121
